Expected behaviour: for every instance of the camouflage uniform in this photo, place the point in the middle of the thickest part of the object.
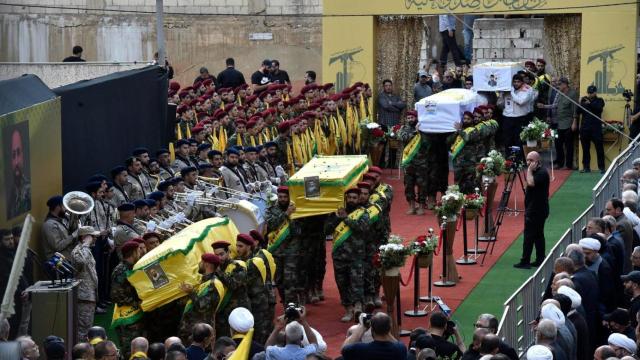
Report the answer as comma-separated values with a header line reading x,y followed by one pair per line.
x,y
261,295
464,164
383,197
281,154
349,257
415,173
233,140
437,165
233,274
87,290
124,232
371,276
201,308
124,294
57,236
287,256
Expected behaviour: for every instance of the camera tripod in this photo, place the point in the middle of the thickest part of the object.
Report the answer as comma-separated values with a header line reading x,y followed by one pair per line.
x,y
513,173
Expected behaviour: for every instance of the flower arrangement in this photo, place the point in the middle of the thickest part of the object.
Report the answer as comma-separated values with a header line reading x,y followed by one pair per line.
x,y
491,165
375,133
425,244
393,132
549,134
392,254
534,131
617,125
450,203
474,200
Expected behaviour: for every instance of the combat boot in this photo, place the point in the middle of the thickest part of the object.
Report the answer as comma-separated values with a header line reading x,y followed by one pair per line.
x,y
377,302
420,210
412,208
348,315
357,310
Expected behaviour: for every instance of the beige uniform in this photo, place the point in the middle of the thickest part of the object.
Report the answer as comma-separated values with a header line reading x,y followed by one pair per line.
x,y
56,237
124,232
180,163
120,196
135,187
85,266
233,179
166,173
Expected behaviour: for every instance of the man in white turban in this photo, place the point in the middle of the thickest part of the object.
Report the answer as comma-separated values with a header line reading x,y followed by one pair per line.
x,y
602,269
551,310
622,345
539,352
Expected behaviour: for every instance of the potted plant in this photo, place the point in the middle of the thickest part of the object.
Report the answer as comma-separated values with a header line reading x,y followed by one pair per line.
x,y
423,247
609,132
490,166
392,256
472,204
533,132
450,203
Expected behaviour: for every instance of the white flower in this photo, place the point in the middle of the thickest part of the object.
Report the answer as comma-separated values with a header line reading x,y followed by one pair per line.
x,y
372,126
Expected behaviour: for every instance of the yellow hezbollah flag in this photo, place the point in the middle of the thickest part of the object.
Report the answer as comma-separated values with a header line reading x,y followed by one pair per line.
x,y
242,351
158,274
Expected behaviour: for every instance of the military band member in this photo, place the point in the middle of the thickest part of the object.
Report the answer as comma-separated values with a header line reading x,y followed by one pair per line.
x,y
349,226
127,312
164,160
85,266
119,176
182,159
56,231
145,177
204,298
141,216
216,160
125,230
201,154
231,174
233,274
134,187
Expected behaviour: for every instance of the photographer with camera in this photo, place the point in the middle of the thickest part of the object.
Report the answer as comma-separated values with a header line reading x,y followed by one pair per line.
x,y
294,333
383,347
591,128
442,329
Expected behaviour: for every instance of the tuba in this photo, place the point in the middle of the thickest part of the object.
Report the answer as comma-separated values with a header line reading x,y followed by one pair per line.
x,y
77,203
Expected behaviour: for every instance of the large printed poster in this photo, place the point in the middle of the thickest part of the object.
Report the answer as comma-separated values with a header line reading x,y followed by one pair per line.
x,y
31,164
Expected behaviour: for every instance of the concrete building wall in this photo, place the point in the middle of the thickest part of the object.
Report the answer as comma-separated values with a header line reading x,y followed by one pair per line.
x,y
36,32
508,39
59,74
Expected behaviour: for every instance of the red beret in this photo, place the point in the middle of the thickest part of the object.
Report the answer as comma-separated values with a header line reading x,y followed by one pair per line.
x,y
245,238
207,82
467,113
375,169
358,84
174,85
354,190
128,247
197,84
335,97
220,244
196,129
269,111
193,102
210,91
490,106
211,258
273,87
345,96
250,99
327,86
529,63
255,117
138,240
241,122
188,88
224,90
283,189
201,114
412,112
309,114
228,107
541,61
264,94
477,110
183,94
313,106
219,114
257,236
251,123
363,185
284,126
182,108
368,176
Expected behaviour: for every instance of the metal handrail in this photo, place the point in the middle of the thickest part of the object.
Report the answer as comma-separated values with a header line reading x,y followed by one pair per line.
x,y
523,305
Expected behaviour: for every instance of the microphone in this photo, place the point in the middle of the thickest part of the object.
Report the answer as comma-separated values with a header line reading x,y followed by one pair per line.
x,y
65,262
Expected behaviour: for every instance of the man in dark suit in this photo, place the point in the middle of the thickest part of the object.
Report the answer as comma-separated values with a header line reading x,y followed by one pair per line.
x,y
602,269
615,208
587,286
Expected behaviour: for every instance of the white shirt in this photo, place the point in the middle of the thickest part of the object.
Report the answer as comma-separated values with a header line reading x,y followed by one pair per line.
x,y
446,22
518,102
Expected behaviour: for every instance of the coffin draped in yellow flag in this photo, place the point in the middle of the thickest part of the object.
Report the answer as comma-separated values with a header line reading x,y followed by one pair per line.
x,y
158,274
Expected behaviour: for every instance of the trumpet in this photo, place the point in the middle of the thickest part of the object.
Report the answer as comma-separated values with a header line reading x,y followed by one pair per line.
x,y
203,199
164,231
174,214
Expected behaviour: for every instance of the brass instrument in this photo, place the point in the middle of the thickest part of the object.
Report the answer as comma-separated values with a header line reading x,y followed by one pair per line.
x,y
203,199
77,204
160,229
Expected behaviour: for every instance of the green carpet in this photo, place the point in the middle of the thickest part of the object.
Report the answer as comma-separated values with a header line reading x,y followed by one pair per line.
x,y
502,280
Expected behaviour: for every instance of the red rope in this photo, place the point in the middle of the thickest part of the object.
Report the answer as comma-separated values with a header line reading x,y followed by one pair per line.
x,y
459,222
406,283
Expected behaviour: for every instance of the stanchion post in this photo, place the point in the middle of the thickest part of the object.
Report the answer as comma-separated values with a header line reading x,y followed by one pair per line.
x,y
465,260
444,282
416,292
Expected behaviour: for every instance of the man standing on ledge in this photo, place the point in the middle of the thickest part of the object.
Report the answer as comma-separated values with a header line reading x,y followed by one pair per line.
x,y
536,203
